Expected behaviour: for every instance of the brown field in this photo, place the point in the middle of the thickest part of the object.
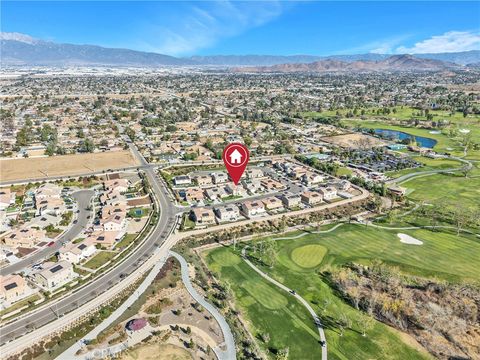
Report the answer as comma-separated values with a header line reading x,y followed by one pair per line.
x,y
354,141
158,351
64,165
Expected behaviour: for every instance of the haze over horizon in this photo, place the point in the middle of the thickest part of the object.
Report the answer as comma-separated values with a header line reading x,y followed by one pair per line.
x,y
245,28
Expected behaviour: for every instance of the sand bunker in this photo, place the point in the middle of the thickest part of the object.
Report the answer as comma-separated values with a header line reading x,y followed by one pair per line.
x,y
407,239
464,131
435,132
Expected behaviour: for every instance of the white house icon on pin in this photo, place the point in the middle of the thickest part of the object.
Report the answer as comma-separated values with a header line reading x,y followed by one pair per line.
x,y
235,157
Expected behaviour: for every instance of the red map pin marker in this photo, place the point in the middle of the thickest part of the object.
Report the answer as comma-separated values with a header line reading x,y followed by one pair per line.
x,y
235,157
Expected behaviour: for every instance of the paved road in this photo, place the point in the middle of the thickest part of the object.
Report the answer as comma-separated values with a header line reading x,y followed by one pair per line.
x,y
230,353
107,280
315,317
83,198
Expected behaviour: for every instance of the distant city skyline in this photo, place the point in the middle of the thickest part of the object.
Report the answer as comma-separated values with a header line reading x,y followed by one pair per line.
x,y
236,28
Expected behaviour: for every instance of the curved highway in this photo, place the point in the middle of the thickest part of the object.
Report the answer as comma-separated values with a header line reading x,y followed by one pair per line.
x,y
83,198
101,284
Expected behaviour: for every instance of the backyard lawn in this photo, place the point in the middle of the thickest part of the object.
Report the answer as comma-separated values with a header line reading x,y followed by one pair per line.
x,y
126,240
98,260
300,263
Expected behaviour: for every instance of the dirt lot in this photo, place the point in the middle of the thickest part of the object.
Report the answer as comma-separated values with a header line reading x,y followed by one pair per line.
x,y
354,141
158,351
65,165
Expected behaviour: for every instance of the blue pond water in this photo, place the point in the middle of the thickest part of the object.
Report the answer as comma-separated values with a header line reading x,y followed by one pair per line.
x,y
400,135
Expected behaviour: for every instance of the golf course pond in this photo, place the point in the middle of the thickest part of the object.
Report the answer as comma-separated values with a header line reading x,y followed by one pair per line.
x,y
400,135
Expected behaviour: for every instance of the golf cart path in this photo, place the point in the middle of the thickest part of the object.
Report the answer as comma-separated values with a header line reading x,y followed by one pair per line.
x,y
316,319
411,176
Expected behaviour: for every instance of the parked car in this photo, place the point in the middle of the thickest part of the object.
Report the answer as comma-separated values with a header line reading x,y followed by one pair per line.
x,y
50,244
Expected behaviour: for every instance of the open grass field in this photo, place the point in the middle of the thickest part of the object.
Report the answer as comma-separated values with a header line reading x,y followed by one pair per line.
x,y
64,165
450,188
299,265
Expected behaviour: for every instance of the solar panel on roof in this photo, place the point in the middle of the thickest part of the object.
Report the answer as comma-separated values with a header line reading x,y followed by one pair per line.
x,y
11,286
56,268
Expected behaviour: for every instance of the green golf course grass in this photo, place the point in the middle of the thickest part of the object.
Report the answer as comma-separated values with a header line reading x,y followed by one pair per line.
x,y
448,188
429,164
442,255
308,256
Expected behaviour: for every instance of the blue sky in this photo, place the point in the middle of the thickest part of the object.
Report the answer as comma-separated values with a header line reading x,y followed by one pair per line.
x,y
272,27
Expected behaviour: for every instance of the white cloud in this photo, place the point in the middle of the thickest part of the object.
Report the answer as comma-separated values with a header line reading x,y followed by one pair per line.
x,y
382,46
451,41
206,23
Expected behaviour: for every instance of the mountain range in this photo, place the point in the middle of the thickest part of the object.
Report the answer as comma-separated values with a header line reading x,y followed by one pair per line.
x,y
392,63
23,50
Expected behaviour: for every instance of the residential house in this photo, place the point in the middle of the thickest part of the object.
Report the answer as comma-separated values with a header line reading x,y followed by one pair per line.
x,y
343,185
202,216
328,193
219,177
272,203
53,275
47,190
297,172
227,213
12,287
290,200
252,186
7,198
105,239
112,197
75,253
120,185
203,180
254,173
216,193
108,210
182,180
311,197
193,195
114,222
235,190
24,237
271,185
50,206
253,208
311,178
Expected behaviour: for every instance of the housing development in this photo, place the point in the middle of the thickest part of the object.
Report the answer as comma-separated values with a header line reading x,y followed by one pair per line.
x,y
353,233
